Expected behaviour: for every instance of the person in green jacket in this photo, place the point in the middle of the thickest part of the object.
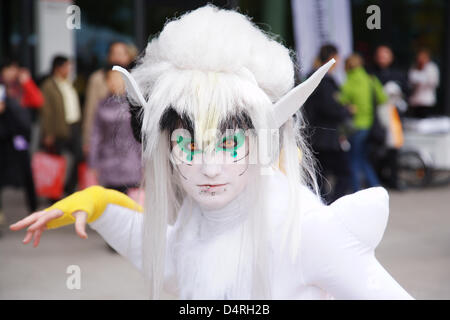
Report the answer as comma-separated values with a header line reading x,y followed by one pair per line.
x,y
361,91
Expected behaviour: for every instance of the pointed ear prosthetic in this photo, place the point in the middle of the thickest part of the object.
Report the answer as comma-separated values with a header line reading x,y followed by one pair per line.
x,y
132,86
288,105
136,95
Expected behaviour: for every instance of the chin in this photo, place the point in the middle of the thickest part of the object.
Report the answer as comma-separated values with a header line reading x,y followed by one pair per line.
x,y
213,202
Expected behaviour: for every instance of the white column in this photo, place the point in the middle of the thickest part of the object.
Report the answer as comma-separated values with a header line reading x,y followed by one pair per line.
x,y
53,35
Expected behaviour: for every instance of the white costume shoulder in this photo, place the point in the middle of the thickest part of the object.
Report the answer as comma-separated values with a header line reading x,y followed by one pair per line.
x,y
338,243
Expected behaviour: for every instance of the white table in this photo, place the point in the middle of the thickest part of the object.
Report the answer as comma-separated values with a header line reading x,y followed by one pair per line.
x,y
431,138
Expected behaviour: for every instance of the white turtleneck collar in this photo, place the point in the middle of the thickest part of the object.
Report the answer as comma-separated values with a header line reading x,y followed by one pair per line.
x,y
209,250
213,222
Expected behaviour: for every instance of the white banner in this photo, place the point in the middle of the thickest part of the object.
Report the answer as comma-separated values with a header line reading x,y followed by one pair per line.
x,y
318,22
54,37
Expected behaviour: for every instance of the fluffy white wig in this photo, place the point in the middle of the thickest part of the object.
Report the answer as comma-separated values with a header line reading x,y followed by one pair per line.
x,y
211,64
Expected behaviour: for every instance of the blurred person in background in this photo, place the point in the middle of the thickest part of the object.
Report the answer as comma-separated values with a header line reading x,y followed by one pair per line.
x,y
15,164
20,86
325,114
395,83
61,117
385,157
364,92
385,70
423,80
114,153
120,54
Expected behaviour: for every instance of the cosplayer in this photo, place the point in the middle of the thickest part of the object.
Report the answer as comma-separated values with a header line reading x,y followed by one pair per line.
x,y
213,102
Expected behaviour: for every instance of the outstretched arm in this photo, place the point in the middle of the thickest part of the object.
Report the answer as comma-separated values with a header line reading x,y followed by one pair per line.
x,y
339,244
114,215
94,201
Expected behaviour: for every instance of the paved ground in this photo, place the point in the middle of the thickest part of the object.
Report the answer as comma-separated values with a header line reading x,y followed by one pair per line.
x,y
415,250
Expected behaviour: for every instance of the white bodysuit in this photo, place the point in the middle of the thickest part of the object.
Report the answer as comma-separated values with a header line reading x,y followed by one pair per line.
x,y
336,258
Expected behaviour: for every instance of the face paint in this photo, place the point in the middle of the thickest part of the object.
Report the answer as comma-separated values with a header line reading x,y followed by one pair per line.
x,y
188,146
215,177
232,143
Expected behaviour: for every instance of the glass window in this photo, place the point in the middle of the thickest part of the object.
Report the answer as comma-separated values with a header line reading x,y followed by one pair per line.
x,y
406,26
101,23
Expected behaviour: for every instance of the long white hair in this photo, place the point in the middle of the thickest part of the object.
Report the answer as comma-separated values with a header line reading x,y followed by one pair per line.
x,y
210,64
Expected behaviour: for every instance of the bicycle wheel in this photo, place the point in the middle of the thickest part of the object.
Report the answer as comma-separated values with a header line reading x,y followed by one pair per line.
x,y
441,177
413,172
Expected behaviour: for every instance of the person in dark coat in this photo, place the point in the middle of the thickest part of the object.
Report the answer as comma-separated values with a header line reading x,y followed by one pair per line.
x,y
15,164
325,117
385,71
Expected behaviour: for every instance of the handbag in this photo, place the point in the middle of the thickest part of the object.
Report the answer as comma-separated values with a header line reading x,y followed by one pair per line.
x,y
49,172
390,119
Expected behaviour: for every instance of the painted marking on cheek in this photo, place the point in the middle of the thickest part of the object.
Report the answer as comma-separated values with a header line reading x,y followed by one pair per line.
x,y
179,171
183,162
242,157
244,171
247,165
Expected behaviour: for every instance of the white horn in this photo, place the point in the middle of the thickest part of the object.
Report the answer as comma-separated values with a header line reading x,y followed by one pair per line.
x,y
132,86
288,105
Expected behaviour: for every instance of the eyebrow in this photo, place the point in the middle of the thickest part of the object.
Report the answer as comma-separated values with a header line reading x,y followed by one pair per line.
x,y
172,120
239,120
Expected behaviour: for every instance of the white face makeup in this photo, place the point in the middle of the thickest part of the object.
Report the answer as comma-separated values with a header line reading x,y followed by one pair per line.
x,y
217,175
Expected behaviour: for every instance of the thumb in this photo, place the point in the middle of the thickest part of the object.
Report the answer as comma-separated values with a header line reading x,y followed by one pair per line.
x,y
80,223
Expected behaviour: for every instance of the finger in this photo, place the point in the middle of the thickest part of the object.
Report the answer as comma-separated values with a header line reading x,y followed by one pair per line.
x,y
80,224
25,221
28,237
45,217
37,237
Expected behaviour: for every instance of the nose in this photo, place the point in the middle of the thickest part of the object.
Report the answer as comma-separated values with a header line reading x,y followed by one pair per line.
x,y
210,166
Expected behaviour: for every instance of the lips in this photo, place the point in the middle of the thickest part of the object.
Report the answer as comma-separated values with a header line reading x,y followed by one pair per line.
x,y
212,185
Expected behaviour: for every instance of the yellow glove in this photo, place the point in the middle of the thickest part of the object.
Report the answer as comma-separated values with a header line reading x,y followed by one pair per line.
x,y
93,201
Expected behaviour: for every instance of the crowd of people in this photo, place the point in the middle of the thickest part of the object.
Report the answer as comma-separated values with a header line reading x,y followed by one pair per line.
x,y
343,121
355,128
96,132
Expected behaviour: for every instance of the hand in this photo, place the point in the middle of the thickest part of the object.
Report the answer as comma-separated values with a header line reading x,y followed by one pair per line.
x,y
93,172
352,108
85,150
38,220
49,141
24,75
2,107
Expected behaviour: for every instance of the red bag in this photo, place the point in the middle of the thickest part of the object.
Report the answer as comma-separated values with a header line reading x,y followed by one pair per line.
x,y
86,177
49,172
